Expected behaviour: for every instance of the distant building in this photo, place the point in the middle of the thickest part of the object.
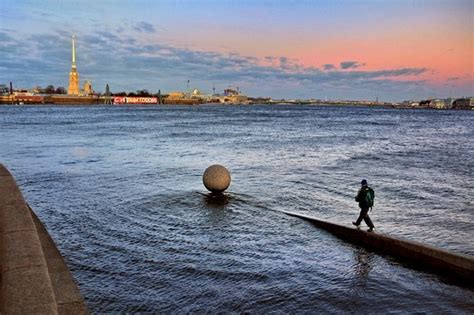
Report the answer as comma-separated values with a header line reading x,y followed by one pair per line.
x,y
448,103
36,90
410,104
176,95
424,103
437,103
87,89
230,92
7,99
203,98
238,99
22,92
232,96
4,89
181,98
464,103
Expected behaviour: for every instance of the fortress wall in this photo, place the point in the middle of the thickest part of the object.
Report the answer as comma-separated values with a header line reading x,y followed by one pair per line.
x,y
34,278
449,264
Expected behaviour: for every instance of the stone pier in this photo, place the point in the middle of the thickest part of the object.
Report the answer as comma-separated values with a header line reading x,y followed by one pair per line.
x,y
454,266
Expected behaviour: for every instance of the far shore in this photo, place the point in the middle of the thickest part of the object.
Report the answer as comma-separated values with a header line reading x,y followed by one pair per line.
x,y
348,105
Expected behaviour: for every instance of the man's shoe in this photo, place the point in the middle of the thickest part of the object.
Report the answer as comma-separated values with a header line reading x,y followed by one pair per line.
x,y
355,224
370,230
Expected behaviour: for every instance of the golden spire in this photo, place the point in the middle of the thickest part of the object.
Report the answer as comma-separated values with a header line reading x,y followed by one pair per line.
x,y
73,88
73,52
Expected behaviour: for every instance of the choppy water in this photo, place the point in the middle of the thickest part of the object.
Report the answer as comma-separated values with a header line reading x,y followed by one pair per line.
x,y
119,189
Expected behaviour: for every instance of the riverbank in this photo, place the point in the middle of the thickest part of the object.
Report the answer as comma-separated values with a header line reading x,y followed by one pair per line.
x,y
61,99
192,103
34,278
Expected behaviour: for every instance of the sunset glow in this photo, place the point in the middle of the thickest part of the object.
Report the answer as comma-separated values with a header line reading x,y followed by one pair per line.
x,y
236,43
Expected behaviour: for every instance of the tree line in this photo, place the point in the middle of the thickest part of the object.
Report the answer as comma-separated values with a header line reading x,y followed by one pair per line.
x,y
51,90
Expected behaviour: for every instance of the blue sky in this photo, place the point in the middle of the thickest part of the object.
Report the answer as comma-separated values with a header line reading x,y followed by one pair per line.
x,y
393,50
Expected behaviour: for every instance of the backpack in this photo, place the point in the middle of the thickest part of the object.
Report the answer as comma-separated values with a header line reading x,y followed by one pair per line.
x,y
369,197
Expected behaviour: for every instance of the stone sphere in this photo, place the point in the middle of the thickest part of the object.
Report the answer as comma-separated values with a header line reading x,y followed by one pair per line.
x,y
216,178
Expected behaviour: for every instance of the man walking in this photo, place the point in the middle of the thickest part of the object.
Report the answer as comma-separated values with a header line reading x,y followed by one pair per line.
x,y
365,198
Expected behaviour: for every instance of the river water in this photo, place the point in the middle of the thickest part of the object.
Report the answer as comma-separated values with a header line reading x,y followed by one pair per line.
x,y
120,190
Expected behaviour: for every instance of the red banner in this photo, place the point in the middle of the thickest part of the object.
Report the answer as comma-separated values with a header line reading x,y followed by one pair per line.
x,y
135,100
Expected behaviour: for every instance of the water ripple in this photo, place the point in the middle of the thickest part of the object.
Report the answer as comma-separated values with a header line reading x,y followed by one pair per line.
x,y
120,190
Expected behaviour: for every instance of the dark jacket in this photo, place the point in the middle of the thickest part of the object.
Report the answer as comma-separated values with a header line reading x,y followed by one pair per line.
x,y
361,197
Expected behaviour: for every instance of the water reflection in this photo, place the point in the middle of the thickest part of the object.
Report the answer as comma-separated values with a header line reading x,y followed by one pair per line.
x,y
216,200
363,263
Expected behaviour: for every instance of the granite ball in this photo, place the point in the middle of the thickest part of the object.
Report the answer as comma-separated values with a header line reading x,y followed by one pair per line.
x,y
216,178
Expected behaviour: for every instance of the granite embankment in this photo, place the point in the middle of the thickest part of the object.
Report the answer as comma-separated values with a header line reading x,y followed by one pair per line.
x,y
34,277
453,266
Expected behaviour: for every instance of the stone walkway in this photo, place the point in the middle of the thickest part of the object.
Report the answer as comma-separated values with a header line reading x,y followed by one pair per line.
x,y
34,277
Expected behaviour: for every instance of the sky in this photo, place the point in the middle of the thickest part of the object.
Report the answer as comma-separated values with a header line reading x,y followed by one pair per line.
x,y
334,49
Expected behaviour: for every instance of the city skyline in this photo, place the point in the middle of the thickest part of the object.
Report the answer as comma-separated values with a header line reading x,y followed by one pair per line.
x,y
298,49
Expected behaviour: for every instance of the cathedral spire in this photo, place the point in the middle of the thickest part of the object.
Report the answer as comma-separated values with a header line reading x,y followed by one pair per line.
x,y
73,52
73,88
